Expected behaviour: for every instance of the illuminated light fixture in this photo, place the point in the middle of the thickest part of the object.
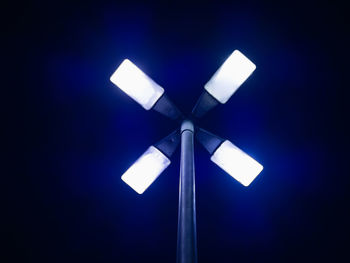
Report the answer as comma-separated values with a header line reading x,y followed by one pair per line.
x,y
137,84
144,90
236,163
223,84
229,157
146,169
230,76
152,163
227,79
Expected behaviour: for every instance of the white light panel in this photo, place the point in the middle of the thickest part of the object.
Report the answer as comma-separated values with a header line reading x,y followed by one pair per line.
x,y
146,169
230,76
137,84
236,163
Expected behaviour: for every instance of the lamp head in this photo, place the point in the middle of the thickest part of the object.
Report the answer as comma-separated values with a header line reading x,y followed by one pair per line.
x,y
230,76
146,169
137,84
152,163
236,163
229,157
224,83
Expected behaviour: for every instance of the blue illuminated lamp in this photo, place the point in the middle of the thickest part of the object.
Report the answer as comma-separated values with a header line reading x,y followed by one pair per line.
x,y
146,169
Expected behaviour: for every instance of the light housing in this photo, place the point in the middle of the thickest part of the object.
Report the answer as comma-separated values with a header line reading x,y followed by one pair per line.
x,y
137,84
146,169
236,163
230,76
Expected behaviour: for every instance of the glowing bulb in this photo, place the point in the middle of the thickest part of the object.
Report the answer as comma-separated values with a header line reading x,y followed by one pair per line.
x,y
230,76
146,169
137,84
236,163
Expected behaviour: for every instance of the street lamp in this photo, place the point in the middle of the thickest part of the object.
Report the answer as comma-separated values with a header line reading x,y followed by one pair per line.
x,y
141,88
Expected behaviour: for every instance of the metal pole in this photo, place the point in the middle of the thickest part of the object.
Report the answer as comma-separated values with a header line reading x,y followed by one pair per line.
x,y
187,236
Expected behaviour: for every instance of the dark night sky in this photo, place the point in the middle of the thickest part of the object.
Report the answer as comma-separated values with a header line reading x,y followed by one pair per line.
x,y
72,133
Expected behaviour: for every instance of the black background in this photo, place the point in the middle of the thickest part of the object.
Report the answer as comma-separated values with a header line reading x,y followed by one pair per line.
x,y
71,134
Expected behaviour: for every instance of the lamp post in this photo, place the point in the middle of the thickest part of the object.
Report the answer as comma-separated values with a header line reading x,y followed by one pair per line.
x,y
146,169
186,235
